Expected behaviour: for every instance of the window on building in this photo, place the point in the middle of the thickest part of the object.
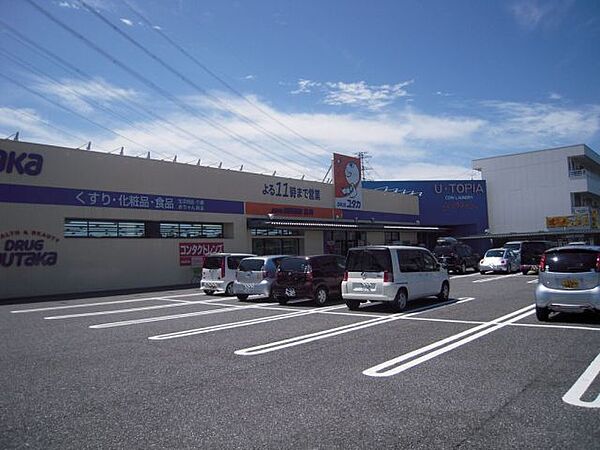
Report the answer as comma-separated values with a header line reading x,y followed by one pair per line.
x,y
92,228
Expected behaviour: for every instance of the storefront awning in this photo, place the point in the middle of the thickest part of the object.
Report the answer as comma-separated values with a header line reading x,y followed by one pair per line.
x,y
338,225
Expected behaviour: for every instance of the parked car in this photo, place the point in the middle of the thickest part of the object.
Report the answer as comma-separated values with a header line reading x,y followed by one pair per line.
x,y
529,253
318,277
256,275
218,272
569,280
499,260
393,274
456,256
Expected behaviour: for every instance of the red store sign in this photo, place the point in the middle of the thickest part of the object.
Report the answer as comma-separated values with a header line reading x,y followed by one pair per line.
x,y
193,253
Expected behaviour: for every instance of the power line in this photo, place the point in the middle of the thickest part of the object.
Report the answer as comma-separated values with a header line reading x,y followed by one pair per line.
x,y
218,78
153,86
215,100
56,59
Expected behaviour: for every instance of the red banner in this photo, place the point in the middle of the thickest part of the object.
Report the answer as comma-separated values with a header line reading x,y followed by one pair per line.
x,y
193,253
347,182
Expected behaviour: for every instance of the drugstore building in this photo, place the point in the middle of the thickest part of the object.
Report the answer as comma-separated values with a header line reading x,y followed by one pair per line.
x,y
74,221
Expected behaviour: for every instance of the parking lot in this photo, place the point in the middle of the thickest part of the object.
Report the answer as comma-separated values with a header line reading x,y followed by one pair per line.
x,y
180,369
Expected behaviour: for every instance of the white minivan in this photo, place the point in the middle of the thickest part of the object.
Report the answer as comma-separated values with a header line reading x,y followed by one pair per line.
x,y
395,274
218,272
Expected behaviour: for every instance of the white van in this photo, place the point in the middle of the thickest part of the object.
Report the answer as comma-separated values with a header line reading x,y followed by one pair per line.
x,y
218,272
395,274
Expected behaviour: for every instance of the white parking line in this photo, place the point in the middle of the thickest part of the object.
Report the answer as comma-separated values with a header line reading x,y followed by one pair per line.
x,y
243,323
174,316
574,395
532,281
465,276
127,310
115,302
304,339
390,368
501,277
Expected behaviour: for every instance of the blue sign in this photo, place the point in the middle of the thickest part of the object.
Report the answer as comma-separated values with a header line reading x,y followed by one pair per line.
x,y
17,193
444,203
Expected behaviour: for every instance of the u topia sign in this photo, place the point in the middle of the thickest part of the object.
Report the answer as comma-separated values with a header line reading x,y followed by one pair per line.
x,y
21,163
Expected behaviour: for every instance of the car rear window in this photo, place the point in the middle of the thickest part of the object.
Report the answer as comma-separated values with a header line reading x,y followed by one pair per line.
x,y
494,254
251,265
293,265
571,261
213,262
516,246
369,260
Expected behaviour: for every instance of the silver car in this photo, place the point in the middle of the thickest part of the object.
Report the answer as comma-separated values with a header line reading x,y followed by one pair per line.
x,y
256,275
499,260
569,280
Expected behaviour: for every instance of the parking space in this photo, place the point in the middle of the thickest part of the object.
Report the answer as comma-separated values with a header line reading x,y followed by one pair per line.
x,y
208,369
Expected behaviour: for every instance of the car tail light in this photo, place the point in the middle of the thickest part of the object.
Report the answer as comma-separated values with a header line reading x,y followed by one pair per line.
x,y
388,277
345,276
503,262
543,263
265,274
223,268
279,275
598,262
309,273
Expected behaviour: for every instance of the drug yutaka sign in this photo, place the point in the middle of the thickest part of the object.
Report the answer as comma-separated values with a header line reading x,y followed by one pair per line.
x,y
193,253
27,249
347,182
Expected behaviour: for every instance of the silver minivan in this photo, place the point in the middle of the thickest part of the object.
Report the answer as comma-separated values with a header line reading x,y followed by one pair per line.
x,y
218,272
569,280
394,274
256,275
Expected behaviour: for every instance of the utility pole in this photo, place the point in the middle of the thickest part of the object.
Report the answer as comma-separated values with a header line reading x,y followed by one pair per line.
x,y
363,157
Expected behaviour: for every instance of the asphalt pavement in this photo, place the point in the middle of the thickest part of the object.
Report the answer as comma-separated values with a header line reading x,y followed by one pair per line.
x,y
180,369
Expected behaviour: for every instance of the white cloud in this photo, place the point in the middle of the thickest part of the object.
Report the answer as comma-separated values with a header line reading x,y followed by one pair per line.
x,y
70,5
75,92
127,22
357,94
250,77
405,144
156,27
533,13
554,96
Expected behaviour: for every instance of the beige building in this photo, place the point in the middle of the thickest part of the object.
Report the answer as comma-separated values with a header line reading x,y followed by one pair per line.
x,y
74,221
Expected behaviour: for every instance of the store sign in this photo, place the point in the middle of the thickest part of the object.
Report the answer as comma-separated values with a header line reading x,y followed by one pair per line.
x,y
27,248
21,163
347,182
568,222
193,253
41,195
287,190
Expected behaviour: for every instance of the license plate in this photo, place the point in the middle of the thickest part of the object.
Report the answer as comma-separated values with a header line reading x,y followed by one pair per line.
x,y
210,285
290,292
248,287
570,283
365,287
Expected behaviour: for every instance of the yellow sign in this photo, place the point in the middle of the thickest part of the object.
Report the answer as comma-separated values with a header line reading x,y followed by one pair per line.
x,y
575,221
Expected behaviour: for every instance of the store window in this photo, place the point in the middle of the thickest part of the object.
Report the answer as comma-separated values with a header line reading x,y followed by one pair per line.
x,y
92,228
338,242
277,246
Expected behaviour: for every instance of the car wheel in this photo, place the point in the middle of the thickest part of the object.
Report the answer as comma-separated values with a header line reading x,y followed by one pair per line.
x,y
445,292
524,271
542,313
208,292
242,297
282,300
321,296
353,305
462,269
399,303
229,289
482,272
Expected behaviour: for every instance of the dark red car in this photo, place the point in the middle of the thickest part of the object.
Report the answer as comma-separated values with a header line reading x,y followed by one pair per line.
x,y
318,277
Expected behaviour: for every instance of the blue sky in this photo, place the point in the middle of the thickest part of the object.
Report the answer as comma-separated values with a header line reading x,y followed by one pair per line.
x,y
423,86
